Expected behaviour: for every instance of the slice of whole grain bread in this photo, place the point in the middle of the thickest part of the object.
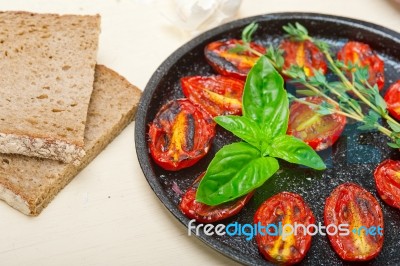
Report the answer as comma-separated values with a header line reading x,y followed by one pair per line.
x,y
47,66
28,184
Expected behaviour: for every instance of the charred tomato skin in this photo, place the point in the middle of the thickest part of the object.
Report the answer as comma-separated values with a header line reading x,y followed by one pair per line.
x,y
303,54
287,208
218,95
361,53
226,62
180,135
392,99
387,180
304,123
351,204
203,213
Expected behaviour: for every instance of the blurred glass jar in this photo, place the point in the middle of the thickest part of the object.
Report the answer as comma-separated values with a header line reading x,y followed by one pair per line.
x,y
195,16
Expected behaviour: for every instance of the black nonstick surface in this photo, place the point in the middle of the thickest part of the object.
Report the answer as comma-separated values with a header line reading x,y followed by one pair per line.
x,y
353,157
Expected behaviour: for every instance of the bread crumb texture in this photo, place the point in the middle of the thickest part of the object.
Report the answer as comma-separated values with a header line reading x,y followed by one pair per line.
x,y
29,184
47,66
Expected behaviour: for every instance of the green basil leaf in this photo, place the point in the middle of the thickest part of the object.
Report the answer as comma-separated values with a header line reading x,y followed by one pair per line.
x,y
294,150
242,127
265,100
236,170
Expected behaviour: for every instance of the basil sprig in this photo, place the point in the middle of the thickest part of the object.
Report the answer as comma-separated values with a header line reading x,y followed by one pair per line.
x,y
241,167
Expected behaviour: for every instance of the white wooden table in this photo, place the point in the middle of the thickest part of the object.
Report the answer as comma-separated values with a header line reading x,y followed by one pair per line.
x,y
108,215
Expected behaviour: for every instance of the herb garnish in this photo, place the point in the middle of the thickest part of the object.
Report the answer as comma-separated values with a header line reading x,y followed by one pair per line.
x,y
337,92
241,167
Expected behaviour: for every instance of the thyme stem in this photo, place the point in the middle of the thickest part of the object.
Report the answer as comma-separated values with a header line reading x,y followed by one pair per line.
x,y
348,107
355,117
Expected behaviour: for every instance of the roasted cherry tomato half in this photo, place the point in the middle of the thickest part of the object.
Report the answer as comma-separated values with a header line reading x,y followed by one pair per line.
x,y
387,180
318,131
218,95
203,213
392,99
352,205
288,209
361,54
226,62
304,54
180,135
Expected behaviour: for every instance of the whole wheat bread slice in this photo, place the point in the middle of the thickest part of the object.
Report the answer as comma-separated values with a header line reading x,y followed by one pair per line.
x,y
28,184
47,66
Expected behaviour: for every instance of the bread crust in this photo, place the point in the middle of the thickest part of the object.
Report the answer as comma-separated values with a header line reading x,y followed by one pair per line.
x,y
41,147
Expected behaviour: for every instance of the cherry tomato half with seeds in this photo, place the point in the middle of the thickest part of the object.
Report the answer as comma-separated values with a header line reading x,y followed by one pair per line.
x,y
353,205
304,54
362,54
317,130
227,62
286,208
392,99
387,180
180,135
203,213
218,95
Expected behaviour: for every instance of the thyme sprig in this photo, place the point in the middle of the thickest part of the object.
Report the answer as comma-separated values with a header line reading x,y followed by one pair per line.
x,y
350,94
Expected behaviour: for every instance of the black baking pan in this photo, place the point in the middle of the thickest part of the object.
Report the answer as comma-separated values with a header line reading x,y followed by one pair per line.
x,y
353,157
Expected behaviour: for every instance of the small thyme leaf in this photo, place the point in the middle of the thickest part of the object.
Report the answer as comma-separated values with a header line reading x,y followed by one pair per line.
x,y
247,33
322,45
394,126
325,108
340,64
297,32
380,103
370,121
318,79
361,74
368,93
366,127
356,105
297,72
393,145
339,87
276,56
301,28
324,111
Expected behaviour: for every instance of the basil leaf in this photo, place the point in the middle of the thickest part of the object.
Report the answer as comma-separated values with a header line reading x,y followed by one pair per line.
x,y
294,150
242,127
265,100
236,170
